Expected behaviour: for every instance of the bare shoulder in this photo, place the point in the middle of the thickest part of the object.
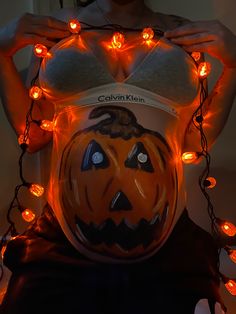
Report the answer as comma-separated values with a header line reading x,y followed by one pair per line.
x,y
67,13
170,21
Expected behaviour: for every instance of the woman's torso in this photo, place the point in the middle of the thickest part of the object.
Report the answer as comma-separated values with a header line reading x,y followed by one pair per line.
x,y
116,182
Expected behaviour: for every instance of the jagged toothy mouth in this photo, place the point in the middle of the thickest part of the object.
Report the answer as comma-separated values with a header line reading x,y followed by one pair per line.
x,y
126,235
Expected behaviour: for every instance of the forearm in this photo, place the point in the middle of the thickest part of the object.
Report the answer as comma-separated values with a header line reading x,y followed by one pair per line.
x,y
14,94
16,102
216,110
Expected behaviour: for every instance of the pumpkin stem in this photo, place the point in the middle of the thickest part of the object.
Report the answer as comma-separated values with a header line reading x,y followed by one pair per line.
x,y
121,123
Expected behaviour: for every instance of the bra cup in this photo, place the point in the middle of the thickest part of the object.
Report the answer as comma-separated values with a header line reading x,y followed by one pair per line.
x,y
170,73
166,70
71,71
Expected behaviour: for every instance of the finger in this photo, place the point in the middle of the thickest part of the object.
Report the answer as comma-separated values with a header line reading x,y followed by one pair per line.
x,y
48,32
50,22
193,39
203,47
31,39
188,29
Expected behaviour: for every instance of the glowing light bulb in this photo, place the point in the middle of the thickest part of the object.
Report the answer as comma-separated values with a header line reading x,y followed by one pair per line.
x,y
204,69
36,189
210,182
227,227
189,157
40,50
196,55
148,33
231,286
35,92
231,253
118,40
74,26
23,140
28,215
47,125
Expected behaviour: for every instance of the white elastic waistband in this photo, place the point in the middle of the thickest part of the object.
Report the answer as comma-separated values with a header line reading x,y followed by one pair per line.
x,y
118,93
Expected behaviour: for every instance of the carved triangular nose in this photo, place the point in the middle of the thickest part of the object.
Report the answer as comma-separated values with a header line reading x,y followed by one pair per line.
x,y
120,202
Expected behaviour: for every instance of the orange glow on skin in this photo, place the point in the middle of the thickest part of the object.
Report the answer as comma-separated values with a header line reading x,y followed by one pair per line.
x,y
231,286
28,215
36,189
150,43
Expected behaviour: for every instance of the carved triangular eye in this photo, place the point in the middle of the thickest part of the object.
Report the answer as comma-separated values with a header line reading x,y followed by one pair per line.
x,y
94,156
139,158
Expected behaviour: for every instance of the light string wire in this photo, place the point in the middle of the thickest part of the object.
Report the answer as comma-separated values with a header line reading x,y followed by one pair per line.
x,y
198,120
118,27
15,203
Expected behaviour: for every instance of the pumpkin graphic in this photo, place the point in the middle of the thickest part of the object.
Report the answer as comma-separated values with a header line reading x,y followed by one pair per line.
x,y
118,186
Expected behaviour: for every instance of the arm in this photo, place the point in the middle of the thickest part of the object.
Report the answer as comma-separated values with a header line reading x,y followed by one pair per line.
x,y
215,39
27,30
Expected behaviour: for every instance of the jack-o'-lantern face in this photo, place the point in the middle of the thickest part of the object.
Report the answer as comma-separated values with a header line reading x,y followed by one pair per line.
x,y
118,187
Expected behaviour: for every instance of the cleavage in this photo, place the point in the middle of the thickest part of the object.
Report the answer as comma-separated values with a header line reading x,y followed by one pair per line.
x,y
119,63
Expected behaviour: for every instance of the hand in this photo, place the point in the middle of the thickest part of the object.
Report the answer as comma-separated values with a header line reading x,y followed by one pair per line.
x,y
31,29
211,37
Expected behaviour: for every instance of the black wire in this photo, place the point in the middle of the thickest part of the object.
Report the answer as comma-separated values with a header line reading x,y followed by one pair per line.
x,y
15,203
198,120
118,27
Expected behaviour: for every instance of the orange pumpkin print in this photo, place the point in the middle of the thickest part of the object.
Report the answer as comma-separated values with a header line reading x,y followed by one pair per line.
x,y
118,186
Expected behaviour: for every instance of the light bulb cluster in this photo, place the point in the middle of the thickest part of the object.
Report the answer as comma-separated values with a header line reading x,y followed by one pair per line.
x,y
117,40
209,182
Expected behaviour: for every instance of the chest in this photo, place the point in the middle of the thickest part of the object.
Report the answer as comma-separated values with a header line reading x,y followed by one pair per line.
x,y
120,53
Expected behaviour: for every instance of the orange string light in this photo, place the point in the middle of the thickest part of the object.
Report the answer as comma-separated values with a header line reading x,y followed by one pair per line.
x,y
189,157
204,69
196,55
148,33
36,189
210,182
118,40
231,286
47,125
231,253
28,215
21,140
40,50
227,227
35,92
74,26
